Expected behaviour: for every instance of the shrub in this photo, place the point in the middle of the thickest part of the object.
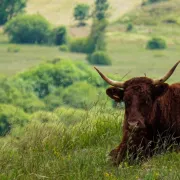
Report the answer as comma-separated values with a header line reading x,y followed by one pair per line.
x,y
80,95
13,49
64,48
147,2
11,117
28,29
83,45
81,13
60,35
129,27
54,99
45,78
156,43
20,93
99,57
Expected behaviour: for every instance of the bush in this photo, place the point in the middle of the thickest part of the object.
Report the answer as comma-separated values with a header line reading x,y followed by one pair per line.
x,y
48,76
147,2
11,117
80,95
64,48
81,13
60,35
82,45
13,49
129,27
99,57
156,43
20,93
28,29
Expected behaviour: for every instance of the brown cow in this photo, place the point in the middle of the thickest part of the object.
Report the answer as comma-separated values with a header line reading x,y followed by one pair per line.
x,y
152,112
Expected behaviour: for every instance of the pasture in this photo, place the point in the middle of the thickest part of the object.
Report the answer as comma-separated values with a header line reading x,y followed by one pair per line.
x,y
121,47
66,150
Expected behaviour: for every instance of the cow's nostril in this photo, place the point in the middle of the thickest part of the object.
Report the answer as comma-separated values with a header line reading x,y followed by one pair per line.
x,y
132,124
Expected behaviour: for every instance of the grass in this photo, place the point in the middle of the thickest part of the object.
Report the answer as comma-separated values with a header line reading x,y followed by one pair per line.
x,y
154,14
62,12
127,51
28,56
68,150
60,151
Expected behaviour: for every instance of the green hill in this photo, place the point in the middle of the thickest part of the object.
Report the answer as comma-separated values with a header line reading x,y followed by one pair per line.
x,y
60,12
167,12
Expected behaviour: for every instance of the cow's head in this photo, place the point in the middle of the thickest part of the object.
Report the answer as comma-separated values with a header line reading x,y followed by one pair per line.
x,y
138,94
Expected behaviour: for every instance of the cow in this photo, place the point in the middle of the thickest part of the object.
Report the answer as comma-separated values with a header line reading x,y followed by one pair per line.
x,y
152,112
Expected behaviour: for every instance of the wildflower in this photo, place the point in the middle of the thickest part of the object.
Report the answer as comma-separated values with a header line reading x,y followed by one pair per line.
x,y
106,174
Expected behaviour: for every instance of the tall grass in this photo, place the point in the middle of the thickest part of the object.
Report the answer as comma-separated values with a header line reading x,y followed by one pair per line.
x,y
56,150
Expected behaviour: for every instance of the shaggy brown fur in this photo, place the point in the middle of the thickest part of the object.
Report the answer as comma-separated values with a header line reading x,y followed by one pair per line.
x,y
150,111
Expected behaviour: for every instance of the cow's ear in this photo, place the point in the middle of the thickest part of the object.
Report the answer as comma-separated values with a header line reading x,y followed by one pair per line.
x,y
115,93
160,90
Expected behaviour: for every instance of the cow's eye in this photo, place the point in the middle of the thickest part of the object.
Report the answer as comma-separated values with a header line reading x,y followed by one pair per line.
x,y
145,101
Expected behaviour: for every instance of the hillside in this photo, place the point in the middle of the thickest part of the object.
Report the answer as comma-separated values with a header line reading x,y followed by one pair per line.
x,y
164,12
60,12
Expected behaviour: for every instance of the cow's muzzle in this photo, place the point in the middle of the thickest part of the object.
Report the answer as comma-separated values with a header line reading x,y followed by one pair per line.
x,y
134,125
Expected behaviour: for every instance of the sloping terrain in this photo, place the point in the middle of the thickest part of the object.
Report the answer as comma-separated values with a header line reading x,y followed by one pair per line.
x,y
163,12
61,11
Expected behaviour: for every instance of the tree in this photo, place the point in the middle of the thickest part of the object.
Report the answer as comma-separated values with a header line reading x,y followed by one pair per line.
x,y
10,8
81,13
101,7
97,35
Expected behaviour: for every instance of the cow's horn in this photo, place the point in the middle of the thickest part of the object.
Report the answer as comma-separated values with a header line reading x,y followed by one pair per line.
x,y
110,81
167,76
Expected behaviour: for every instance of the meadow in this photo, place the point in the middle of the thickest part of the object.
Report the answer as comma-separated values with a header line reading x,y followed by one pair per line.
x,y
73,144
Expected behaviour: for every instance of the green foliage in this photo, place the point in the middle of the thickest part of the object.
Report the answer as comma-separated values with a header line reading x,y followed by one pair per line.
x,y
48,76
129,27
80,95
156,43
81,13
20,93
64,48
97,35
11,117
10,8
147,2
13,49
28,29
101,7
99,57
83,45
60,35
54,99
44,117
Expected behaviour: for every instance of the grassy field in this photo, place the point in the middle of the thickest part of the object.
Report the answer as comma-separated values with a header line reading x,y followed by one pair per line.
x,y
29,56
66,152
62,151
127,51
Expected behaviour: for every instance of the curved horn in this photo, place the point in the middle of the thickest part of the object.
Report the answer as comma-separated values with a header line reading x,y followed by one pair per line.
x,y
110,81
167,76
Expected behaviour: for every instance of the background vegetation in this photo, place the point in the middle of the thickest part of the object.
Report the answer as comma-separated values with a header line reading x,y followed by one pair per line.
x,y
55,119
